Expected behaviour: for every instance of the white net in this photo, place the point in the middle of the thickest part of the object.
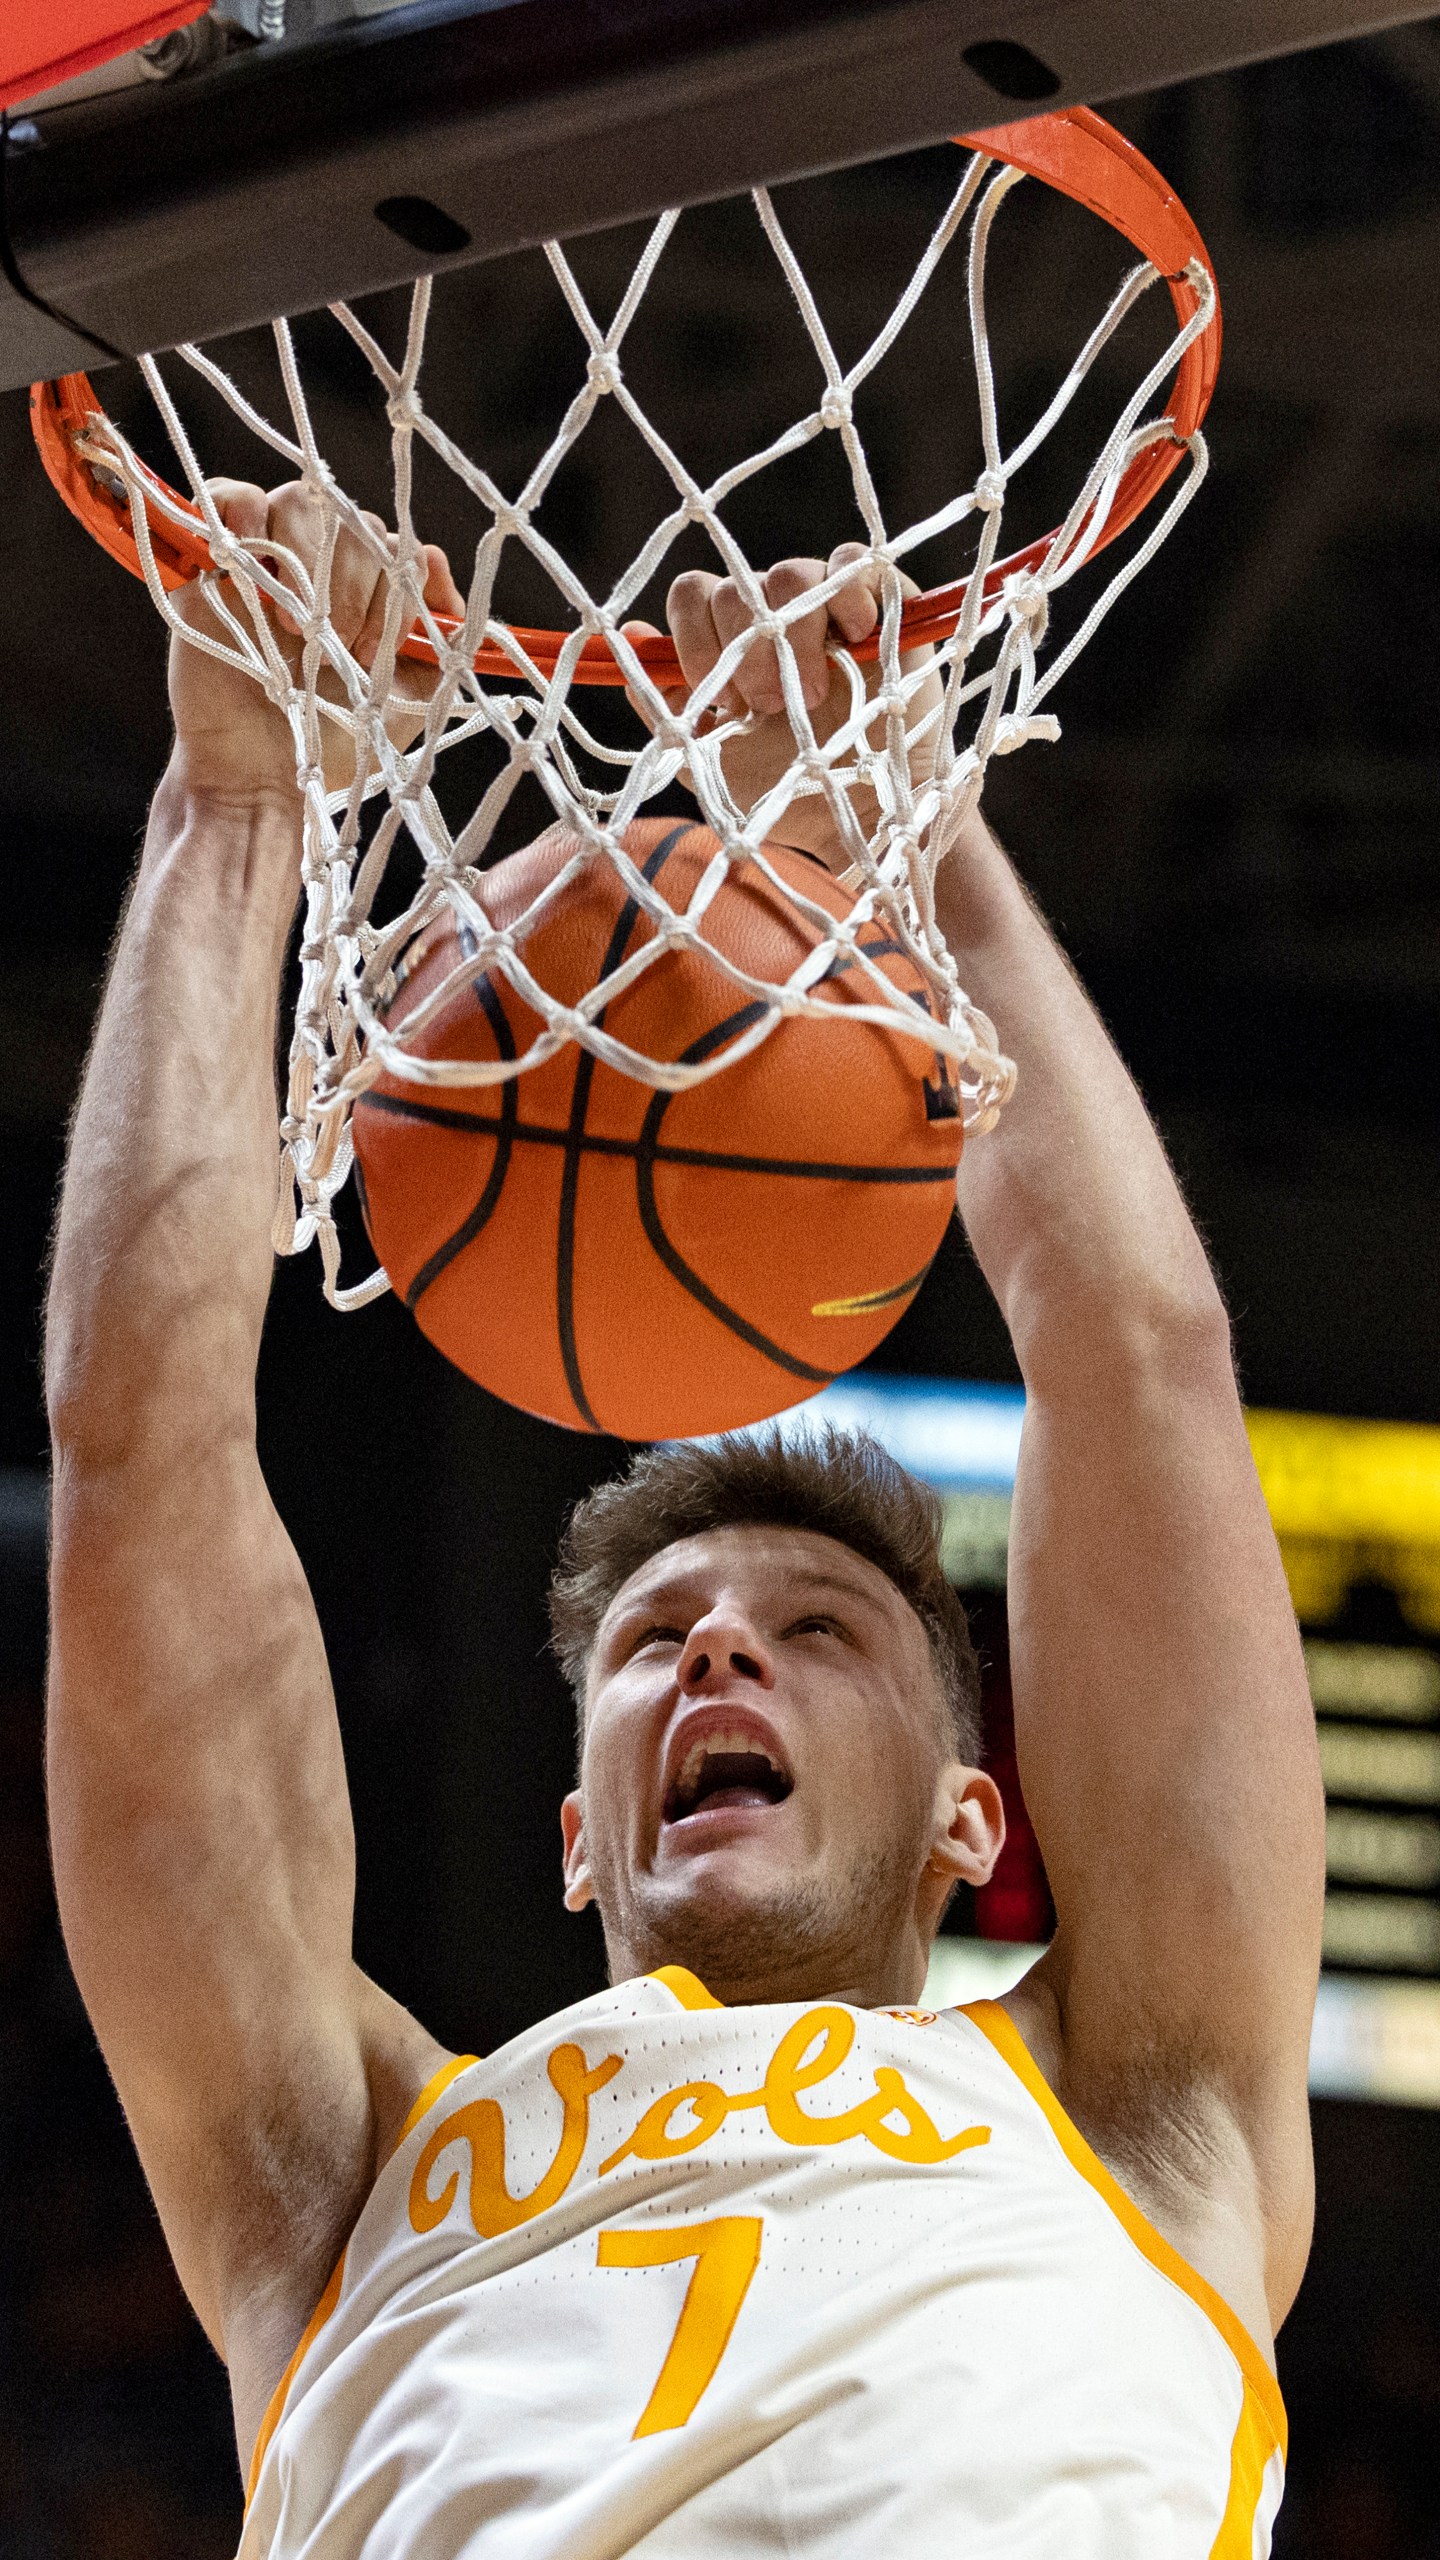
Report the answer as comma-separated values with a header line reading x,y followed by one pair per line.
x,y
898,774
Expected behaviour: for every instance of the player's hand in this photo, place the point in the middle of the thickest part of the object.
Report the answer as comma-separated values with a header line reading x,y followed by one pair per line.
x,y
706,613
229,737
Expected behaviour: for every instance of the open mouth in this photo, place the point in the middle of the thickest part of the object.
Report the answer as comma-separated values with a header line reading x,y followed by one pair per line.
x,y
725,1772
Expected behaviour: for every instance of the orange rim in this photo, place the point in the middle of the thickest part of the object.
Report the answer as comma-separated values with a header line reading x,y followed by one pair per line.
x,y
1074,151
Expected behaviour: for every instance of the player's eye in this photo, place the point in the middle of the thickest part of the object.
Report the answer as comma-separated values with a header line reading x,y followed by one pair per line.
x,y
816,1625
657,1635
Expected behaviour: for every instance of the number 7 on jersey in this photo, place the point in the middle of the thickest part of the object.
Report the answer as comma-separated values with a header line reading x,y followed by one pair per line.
x,y
726,2254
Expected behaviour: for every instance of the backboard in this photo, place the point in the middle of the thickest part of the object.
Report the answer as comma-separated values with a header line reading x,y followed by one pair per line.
x,y
234,172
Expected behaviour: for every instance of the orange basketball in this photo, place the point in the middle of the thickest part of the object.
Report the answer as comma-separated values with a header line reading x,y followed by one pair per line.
x,y
653,1264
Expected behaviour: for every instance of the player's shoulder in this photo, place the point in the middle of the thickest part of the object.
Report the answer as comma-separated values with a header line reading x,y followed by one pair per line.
x,y
409,2070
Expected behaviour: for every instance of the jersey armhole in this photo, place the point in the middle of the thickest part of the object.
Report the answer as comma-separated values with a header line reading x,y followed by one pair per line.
x,y
435,2087
1000,2031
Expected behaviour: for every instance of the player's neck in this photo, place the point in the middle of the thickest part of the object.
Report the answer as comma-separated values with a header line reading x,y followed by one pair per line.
x,y
742,1974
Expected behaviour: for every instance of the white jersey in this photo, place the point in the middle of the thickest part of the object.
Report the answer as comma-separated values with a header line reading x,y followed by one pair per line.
x,y
806,2282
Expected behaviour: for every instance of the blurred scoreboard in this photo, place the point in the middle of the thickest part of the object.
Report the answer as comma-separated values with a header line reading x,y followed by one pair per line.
x,y
1356,1508
1378,1717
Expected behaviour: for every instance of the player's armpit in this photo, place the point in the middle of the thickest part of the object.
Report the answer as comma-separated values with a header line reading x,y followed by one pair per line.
x,y
1168,1754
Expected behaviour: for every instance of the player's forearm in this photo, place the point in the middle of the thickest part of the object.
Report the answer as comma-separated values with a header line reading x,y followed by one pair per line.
x,y
163,1259
1070,1204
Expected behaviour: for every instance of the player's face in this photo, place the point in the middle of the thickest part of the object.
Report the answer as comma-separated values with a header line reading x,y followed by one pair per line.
x,y
766,1795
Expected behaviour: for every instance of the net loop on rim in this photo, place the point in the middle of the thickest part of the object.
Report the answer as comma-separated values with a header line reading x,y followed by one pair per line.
x,y
956,675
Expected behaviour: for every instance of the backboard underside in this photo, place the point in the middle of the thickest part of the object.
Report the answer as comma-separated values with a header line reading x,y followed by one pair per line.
x,y
356,155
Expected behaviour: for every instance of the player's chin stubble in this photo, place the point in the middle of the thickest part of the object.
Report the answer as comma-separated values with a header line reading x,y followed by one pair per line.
x,y
791,1939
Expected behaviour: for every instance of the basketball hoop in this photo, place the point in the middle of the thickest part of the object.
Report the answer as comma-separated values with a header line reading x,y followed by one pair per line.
x,y
519,686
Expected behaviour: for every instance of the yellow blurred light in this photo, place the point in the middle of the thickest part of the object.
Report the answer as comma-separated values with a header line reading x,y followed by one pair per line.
x,y
1371,1847
1393,1680
1356,1760
1381,1929
1353,1502
1330,1478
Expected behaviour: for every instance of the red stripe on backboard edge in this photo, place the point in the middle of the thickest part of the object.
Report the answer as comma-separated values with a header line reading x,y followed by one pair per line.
x,y
93,31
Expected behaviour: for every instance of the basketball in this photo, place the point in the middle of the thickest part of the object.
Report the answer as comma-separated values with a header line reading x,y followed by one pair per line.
x,y
651,1264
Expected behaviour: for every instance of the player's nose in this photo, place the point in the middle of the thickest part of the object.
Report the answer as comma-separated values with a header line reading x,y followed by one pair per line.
x,y
723,1646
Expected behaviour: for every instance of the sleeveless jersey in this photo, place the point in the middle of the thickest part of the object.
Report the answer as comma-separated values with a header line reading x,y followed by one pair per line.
x,y
776,2283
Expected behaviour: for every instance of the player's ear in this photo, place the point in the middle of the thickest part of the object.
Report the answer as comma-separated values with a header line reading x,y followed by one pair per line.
x,y
578,1888
968,1831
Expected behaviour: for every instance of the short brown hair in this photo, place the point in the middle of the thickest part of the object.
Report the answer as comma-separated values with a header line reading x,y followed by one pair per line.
x,y
841,1483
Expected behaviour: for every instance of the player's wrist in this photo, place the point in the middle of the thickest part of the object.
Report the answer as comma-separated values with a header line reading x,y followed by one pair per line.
x,y
228,784
808,827
977,892
241,832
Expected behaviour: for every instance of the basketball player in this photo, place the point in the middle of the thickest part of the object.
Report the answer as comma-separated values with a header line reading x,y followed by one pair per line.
x,y
746,2255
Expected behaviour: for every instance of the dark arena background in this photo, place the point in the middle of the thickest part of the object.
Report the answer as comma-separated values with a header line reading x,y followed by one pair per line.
x,y
1237,838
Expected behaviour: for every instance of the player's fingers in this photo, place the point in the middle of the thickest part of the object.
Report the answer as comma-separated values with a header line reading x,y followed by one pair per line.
x,y
757,678
359,587
855,610
729,615
639,631
441,592
807,634
297,527
858,605
243,508
689,610
674,694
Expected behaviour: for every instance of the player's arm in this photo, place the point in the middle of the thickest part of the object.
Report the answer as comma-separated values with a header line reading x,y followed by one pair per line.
x,y
1166,1738
1165,1732
201,1824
